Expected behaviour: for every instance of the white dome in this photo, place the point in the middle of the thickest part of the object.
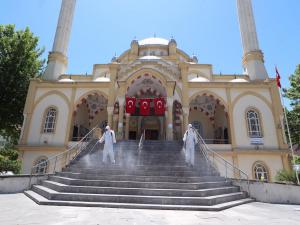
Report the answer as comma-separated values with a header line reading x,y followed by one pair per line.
x,y
199,79
239,80
154,41
66,80
102,79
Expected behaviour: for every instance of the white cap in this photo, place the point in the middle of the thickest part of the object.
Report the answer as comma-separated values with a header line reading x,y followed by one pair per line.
x,y
107,128
190,126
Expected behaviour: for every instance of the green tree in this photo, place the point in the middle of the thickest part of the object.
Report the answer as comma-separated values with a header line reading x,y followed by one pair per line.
x,y
19,62
293,93
9,159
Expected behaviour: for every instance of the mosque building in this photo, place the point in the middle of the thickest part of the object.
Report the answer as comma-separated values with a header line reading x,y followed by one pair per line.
x,y
156,88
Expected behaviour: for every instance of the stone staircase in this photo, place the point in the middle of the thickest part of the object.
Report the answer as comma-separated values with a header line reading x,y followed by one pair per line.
x,y
154,178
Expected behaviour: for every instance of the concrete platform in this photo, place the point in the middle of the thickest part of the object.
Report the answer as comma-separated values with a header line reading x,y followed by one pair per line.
x,y
17,209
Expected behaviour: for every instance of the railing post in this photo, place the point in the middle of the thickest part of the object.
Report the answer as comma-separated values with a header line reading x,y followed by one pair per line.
x,y
225,169
55,164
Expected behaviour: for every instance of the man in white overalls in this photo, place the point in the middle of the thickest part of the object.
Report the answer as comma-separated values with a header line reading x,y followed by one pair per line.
x,y
190,140
109,139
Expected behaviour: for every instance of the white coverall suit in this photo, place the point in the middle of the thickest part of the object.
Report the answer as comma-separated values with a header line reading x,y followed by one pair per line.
x,y
109,139
190,140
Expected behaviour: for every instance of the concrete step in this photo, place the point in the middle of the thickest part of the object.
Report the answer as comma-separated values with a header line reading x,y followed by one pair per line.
x,y
136,184
101,166
166,200
140,178
39,199
187,173
59,187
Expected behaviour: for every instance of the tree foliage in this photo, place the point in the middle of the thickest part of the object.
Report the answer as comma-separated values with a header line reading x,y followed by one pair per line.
x,y
9,159
293,116
19,62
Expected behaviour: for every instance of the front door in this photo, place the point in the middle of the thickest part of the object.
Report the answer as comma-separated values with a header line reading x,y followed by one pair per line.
x,y
151,134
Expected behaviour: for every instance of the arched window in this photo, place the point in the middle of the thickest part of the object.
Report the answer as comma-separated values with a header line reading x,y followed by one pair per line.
x,y
260,172
50,120
253,120
41,165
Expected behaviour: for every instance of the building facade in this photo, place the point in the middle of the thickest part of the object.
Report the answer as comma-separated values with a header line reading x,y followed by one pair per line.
x,y
239,116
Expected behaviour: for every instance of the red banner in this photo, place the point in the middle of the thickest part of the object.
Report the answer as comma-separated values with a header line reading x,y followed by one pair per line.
x,y
145,106
130,105
159,106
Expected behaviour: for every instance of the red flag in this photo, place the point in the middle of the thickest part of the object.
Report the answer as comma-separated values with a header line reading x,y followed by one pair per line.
x,y
145,106
159,106
278,78
130,105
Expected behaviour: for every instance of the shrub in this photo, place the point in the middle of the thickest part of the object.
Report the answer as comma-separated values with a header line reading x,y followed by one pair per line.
x,y
286,176
9,160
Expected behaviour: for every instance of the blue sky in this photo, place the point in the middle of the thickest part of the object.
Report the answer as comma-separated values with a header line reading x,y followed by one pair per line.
x,y
207,28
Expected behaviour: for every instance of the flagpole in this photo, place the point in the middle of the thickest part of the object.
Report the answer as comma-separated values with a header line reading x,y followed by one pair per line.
x,y
289,134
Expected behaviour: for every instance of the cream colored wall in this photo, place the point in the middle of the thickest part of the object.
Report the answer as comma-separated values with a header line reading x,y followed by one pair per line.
x,y
36,136
264,92
221,92
41,91
83,91
196,115
30,157
99,118
273,163
82,116
240,123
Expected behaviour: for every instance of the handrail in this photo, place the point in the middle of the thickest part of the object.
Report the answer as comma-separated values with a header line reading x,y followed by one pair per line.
x,y
76,148
209,153
142,138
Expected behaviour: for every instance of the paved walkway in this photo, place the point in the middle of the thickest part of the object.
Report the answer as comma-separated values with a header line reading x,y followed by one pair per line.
x,y
17,209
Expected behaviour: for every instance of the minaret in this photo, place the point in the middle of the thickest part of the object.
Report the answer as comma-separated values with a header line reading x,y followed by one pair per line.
x,y
57,59
253,58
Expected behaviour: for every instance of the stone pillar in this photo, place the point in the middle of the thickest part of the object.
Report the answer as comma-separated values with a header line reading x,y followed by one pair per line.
x,y
110,111
185,112
253,59
121,118
115,122
169,116
127,116
57,59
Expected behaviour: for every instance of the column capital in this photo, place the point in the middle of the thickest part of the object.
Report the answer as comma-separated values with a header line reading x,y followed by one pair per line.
x,y
186,110
110,110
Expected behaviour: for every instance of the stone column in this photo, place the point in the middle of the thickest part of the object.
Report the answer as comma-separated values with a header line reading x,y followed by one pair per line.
x,y
115,122
185,112
253,59
57,58
121,118
127,116
110,111
170,118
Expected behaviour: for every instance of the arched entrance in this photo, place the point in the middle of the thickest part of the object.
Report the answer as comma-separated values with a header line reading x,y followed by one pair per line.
x,y
209,116
146,86
90,112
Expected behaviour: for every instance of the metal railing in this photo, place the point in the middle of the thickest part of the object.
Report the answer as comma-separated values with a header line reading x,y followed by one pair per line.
x,y
220,164
141,142
61,160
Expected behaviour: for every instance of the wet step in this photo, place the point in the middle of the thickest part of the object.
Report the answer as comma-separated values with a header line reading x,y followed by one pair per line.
x,y
140,178
59,187
139,184
166,200
39,199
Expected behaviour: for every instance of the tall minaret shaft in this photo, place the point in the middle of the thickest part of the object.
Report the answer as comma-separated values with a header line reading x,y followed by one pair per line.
x,y
57,59
253,59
